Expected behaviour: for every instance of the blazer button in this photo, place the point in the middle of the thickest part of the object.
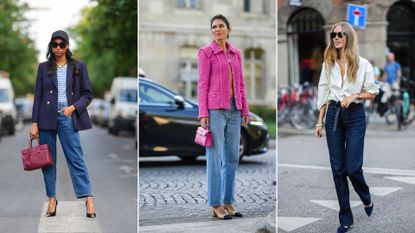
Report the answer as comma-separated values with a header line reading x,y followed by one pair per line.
x,y
71,93
50,91
48,102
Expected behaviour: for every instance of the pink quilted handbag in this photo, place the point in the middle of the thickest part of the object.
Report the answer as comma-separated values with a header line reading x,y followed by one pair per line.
x,y
203,137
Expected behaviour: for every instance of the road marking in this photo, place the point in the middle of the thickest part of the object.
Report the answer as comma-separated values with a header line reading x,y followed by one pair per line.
x,y
292,223
384,171
70,218
334,205
129,170
404,179
245,225
383,191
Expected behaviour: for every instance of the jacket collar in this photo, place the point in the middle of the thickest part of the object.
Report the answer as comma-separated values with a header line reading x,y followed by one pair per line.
x,y
216,49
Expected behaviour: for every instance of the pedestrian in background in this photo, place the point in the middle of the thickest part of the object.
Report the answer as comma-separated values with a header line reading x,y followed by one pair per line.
x,y
222,108
62,95
392,75
346,81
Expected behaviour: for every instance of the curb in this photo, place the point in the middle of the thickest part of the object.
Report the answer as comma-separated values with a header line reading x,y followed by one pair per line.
x,y
270,222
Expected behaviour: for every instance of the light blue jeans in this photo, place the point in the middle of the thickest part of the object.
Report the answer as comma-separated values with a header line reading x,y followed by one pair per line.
x,y
71,146
223,156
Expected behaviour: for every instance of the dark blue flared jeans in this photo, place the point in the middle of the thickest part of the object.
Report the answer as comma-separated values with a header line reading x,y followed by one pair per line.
x,y
345,132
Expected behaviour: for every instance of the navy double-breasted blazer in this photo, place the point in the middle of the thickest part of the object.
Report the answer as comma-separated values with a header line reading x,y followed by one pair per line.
x,y
78,93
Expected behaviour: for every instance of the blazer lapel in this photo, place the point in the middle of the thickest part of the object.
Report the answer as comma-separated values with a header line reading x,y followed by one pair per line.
x,y
54,77
69,77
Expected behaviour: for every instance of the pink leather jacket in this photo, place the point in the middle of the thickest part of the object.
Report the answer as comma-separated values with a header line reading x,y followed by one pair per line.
x,y
214,80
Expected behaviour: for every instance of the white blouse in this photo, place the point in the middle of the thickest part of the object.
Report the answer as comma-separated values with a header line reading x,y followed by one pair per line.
x,y
365,81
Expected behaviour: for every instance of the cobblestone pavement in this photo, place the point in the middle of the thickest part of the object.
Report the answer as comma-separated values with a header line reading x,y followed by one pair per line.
x,y
172,191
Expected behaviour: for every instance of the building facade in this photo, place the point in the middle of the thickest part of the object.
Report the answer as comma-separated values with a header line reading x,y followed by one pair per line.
x,y
172,31
304,26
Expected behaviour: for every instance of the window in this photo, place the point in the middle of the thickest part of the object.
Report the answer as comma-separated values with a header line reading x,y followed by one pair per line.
x,y
151,95
254,6
188,4
128,95
4,96
254,73
188,72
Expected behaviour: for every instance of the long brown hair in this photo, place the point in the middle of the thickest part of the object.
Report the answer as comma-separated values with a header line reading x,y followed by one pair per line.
x,y
331,54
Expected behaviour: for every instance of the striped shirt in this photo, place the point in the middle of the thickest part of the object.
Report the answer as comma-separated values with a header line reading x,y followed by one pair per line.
x,y
61,73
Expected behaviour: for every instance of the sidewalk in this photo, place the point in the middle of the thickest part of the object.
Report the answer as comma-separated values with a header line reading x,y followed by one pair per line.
x,y
236,225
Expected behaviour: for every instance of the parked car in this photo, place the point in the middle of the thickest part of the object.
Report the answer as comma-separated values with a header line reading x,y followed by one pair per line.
x,y
168,123
7,106
24,109
99,111
123,104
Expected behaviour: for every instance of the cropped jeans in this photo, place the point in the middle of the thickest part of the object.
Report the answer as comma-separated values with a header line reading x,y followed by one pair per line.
x,y
223,156
345,132
71,146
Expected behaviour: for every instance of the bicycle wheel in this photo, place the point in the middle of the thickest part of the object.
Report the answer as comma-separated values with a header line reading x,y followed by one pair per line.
x,y
410,116
302,116
390,115
399,116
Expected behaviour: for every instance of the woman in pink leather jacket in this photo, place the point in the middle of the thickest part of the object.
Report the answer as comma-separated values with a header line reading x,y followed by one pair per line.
x,y
222,108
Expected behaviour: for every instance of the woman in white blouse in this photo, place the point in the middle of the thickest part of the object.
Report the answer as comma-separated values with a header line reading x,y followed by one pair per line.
x,y
346,81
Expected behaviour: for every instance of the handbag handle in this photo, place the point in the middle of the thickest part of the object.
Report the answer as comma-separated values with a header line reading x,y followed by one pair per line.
x,y
31,141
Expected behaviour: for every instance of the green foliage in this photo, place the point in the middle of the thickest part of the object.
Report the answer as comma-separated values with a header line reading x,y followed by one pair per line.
x,y
268,115
265,112
107,41
17,52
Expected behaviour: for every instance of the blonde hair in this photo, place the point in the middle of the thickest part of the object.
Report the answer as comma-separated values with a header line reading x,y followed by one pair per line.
x,y
331,54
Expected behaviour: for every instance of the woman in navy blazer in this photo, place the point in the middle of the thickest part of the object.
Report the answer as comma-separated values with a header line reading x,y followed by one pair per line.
x,y
62,95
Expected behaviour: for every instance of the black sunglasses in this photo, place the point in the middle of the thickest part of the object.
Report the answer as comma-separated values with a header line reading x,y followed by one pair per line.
x,y
333,34
54,45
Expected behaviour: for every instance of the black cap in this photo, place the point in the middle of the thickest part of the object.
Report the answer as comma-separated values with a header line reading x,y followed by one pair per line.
x,y
60,34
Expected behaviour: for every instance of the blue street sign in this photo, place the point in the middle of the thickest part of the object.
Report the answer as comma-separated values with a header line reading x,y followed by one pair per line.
x,y
357,15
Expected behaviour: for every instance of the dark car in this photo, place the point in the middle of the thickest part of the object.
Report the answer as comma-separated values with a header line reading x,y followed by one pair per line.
x,y
168,124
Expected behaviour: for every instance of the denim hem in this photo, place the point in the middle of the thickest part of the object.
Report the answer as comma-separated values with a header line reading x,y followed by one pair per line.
x,y
83,196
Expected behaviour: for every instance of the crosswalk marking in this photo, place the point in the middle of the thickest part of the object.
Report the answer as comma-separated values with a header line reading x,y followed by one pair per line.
x,y
70,218
334,205
292,223
383,191
404,179
382,171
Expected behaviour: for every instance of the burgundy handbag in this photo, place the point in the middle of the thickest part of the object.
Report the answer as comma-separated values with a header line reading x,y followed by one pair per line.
x,y
36,157
203,137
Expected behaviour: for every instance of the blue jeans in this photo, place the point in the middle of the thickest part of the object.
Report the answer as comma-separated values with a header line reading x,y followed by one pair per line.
x,y
222,157
345,131
71,146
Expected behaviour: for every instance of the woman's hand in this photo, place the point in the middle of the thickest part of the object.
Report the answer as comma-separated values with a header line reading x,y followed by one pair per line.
x,y
348,100
34,131
245,120
204,122
319,130
68,111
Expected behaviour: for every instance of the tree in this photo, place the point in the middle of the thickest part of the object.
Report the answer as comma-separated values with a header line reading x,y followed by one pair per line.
x,y
107,41
17,52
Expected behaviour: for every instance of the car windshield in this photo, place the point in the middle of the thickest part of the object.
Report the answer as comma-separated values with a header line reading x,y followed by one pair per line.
x,y
4,97
128,95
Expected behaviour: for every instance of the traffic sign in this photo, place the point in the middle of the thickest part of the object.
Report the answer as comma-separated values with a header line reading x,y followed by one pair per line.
x,y
357,15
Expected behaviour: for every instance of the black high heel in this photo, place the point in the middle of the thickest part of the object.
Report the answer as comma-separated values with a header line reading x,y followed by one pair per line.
x,y
52,214
89,215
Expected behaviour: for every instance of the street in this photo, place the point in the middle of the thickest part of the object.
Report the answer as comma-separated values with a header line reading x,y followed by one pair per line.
x,y
307,198
112,168
174,191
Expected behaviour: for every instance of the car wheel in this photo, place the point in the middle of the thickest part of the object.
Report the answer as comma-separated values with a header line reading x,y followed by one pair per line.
x,y
243,145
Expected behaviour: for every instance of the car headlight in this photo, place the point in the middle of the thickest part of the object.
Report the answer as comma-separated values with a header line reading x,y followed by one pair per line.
x,y
255,119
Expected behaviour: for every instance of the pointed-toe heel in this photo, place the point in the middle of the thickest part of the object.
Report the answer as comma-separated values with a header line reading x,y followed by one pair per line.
x,y
232,212
52,214
343,228
89,215
369,209
218,215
